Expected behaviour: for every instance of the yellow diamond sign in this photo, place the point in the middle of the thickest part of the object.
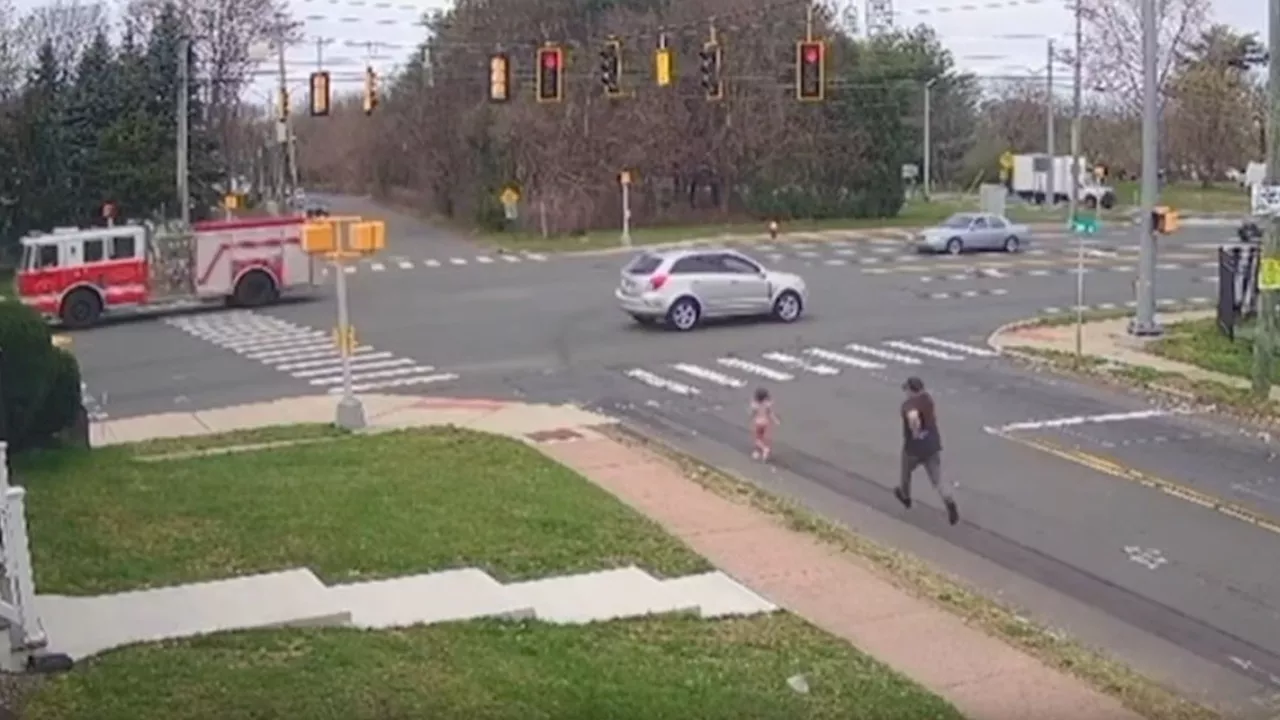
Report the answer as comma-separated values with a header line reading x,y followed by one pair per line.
x,y
1269,274
510,196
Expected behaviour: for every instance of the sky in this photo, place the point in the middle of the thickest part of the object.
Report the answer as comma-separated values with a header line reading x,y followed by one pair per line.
x,y
383,32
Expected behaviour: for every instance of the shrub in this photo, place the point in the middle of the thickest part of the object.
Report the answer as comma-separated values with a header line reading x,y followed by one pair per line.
x,y
26,369
62,403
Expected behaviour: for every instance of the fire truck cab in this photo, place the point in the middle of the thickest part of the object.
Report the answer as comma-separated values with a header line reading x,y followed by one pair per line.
x,y
76,275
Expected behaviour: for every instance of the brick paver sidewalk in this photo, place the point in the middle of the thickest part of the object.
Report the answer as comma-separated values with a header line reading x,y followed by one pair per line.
x,y
984,678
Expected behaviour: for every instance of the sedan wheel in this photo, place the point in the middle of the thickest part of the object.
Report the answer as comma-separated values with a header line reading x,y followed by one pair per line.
x,y
684,314
955,246
787,307
1011,244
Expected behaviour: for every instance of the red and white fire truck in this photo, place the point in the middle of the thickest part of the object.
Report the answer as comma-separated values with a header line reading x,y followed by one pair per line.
x,y
77,275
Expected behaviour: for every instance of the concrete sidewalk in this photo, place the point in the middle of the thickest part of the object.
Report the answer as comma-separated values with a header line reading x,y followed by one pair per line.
x,y
983,677
1109,340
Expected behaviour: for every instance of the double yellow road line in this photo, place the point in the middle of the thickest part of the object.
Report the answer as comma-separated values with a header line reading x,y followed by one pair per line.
x,y
1147,480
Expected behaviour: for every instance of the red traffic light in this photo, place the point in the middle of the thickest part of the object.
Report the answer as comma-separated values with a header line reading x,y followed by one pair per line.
x,y
811,54
550,59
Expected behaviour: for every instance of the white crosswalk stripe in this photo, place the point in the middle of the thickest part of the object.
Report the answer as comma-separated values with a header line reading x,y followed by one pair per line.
x,y
793,361
959,347
849,360
760,370
883,354
304,353
928,352
658,381
710,375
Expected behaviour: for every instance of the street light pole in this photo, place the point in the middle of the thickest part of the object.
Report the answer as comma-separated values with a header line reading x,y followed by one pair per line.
x,y
1076,102
927,162
1144,321
1050,191
1265,338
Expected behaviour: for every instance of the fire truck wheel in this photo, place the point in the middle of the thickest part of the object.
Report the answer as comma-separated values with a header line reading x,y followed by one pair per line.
x,y
255,288
81,309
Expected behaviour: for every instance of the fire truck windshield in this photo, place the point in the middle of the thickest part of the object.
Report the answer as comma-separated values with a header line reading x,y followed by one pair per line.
x,y
28,257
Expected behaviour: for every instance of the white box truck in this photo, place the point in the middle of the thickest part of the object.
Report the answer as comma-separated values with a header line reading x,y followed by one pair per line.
x,y
1030,181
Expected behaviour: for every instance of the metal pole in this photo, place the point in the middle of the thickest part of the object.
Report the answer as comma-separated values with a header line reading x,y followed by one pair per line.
x,y
282,123
1144,322
184,130
626,214
1074,201
1264,344
350,413
1079,294
1050,194
926,165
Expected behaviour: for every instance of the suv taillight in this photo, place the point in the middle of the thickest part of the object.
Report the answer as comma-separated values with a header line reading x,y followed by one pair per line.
x,y
657,281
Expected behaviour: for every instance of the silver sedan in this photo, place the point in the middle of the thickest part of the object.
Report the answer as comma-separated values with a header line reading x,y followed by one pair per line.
x,y
963,232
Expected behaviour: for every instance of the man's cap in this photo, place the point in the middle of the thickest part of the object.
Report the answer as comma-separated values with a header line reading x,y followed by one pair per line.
x,y
914,384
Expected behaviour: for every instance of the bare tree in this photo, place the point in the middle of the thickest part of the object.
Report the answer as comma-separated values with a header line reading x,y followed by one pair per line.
x,y
12,50
68,25
1113,43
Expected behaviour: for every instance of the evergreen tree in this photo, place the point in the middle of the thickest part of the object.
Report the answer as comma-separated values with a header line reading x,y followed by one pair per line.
x,y
43,185
94,104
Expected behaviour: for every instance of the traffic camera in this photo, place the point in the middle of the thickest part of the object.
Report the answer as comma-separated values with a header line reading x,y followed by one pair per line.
x,y
811,73
550,72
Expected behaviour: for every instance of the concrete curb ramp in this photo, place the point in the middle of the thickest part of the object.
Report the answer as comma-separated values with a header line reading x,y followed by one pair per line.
x,y
85,626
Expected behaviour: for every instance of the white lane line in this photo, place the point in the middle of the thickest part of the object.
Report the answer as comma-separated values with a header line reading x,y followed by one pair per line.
x,y
1087,420
960,347
355,367
834,262
793,361
882,354
842,359
402,382
510,258
376,375
754,369
431,263
535,257
332,360
405,265
928,352
709,375
457,261
660,382
999,291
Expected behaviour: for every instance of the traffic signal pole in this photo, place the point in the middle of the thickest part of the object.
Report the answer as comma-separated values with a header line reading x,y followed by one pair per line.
x,y
1265,336
1144,321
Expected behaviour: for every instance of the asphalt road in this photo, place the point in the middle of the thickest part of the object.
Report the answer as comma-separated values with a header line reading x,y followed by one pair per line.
x,y
1095,511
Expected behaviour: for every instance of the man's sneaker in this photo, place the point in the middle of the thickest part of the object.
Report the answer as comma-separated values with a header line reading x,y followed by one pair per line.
x,y
902,496
953,513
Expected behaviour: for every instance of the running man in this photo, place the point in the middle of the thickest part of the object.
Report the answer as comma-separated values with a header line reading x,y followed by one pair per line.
x,y
922,445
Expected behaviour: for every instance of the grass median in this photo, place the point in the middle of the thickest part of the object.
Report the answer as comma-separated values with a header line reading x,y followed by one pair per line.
x,y
1200,343
348,507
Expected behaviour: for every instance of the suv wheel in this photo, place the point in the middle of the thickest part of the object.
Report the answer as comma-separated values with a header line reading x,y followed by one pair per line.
x,y
684,314
787,307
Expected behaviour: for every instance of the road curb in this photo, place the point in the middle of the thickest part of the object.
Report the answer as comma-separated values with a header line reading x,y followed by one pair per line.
x,y
993,340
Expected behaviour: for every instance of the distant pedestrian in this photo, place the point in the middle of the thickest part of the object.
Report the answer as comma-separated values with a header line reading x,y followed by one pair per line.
x,y
922,445
763,420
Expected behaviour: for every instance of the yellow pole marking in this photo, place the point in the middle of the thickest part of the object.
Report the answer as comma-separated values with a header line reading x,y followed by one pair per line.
x,y
1168,487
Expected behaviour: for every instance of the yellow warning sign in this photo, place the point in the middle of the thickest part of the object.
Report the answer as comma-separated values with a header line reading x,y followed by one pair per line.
x,y
1006,160
625,177
509,196
1269,274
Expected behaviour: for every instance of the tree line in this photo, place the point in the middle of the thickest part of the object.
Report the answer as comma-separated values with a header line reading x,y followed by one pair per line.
x,y
85,121
758,151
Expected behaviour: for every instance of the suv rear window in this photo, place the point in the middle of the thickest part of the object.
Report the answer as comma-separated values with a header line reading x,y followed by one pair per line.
x,y
644,265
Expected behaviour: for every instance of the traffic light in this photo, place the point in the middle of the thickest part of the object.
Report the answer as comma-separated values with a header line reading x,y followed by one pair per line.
x,y
662,66
499,78
284,105
712,83
811,71
370,90
550,72
611,68
319,94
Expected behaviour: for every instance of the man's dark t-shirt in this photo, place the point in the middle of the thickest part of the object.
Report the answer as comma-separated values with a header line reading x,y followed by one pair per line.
x,y
929,441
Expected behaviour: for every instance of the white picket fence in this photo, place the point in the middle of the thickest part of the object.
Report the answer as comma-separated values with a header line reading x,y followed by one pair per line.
x,y
17,585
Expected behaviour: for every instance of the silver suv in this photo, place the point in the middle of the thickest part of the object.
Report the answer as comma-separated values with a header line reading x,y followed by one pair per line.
x,y
681,287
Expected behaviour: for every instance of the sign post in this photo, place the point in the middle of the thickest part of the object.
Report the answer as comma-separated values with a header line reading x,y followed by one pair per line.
x,y
1081,225
625,179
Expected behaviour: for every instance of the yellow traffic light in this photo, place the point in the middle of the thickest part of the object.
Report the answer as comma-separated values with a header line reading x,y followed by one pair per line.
x,y
370,90
811,70
499,78
662,62
550,80
367,237
319,238
284,104
319,94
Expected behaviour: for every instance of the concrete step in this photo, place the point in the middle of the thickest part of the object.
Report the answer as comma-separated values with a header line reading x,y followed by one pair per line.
x,y
446,596
718,595
597,596
84,626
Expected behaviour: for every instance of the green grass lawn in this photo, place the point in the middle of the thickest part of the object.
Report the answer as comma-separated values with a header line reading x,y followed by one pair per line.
x,y
1198,342
675,667
914,214
1219,197
349,507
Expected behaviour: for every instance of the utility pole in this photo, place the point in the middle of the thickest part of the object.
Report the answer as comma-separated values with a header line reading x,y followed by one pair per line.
x,y
927,164
184,130
1144,321
1050,192
282,122
1077,71
1265,340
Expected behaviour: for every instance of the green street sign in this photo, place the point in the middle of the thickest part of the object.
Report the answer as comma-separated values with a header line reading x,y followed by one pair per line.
x,y
1085,224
